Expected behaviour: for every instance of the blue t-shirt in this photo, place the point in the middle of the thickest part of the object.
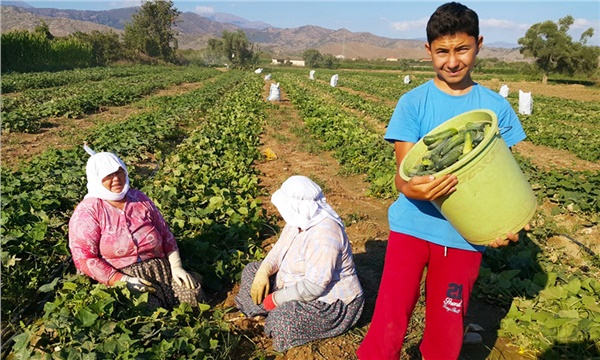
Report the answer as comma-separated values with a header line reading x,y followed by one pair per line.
x,y
420,111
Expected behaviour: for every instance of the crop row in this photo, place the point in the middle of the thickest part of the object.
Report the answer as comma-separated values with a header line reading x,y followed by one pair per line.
x,y
571,125
384,85
24,111
14,82
355,145
377,110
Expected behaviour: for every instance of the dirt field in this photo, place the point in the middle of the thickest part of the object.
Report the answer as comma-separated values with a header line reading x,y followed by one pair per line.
x,y
366,216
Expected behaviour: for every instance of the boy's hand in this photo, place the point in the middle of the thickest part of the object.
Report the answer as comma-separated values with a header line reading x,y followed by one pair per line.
x,y
427,187
510,237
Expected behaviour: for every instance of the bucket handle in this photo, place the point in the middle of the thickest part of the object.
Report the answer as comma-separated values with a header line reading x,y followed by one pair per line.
x,y
504,130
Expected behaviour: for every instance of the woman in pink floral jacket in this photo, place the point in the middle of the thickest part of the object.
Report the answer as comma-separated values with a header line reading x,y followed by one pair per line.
x,y
118,234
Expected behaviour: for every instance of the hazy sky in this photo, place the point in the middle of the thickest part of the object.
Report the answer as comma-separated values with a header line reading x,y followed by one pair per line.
x,y
505,21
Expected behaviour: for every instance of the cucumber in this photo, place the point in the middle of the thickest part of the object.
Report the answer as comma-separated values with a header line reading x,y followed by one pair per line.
x,y
468,145
431,138
435,144
450,158
454,141
480,125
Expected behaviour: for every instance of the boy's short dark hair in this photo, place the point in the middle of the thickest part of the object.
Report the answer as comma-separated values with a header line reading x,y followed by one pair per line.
x,y
452,18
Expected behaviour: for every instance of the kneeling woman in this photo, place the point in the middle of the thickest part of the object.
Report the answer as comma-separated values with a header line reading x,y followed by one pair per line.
x,y
118,234
317,293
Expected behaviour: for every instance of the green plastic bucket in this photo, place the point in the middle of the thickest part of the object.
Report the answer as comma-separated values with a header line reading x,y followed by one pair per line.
x,y
493,196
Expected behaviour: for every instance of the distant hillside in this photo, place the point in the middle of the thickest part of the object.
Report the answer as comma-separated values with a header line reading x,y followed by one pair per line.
x,y
237,21
17,18
503,45
115,18
195,30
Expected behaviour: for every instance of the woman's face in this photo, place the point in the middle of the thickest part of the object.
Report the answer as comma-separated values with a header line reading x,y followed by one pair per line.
x,y
115,182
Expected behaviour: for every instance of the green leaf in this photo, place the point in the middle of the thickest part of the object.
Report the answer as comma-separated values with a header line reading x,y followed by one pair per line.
x,y
216,201
553,293
573,286
67,285
49,287
509,274
108,328
214,343
552,323
591,304
570,314
86,317
21,341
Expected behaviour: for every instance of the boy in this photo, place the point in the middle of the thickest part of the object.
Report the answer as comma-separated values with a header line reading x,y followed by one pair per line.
x,y
419,235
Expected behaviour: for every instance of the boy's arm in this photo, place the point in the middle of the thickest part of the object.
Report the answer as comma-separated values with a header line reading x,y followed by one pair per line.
x,y
425,187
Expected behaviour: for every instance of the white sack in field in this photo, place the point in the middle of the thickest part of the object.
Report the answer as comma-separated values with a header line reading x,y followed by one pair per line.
x,y
503,91
525,103
334,80
274,93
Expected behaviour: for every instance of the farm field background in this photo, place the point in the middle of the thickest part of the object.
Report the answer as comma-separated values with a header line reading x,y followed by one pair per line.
x,y
209,150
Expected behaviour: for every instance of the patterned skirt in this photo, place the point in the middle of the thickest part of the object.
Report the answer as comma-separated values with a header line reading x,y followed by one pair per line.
x,y
297,322
168,293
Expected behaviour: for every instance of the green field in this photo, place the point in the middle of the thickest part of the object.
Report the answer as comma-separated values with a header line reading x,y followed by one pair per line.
x,y
195,153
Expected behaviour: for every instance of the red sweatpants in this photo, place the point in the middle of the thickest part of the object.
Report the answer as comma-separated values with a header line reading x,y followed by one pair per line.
x,y
451,274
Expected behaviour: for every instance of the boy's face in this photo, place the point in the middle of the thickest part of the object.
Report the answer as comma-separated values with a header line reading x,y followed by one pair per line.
x,y
453,58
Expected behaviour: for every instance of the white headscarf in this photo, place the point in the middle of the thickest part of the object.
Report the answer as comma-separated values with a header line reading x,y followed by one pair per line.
x,y
302,204
98,166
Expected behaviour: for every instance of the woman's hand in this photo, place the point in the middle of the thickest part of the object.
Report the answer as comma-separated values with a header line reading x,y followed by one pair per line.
x,y
180,276
183,278
260,286
510,237
427,187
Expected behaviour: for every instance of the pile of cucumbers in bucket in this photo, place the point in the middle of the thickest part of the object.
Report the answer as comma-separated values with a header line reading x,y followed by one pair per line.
x,y
446,147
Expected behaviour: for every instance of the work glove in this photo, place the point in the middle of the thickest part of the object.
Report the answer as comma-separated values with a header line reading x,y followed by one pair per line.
x,y
180,276
138,284
260,285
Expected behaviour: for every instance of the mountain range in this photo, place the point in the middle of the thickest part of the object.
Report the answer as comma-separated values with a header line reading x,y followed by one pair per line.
x,y
194,31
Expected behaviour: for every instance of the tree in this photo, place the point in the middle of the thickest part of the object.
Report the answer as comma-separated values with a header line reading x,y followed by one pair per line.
x,y
312,58
151,32
235,46
43,30
554,50
106,45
